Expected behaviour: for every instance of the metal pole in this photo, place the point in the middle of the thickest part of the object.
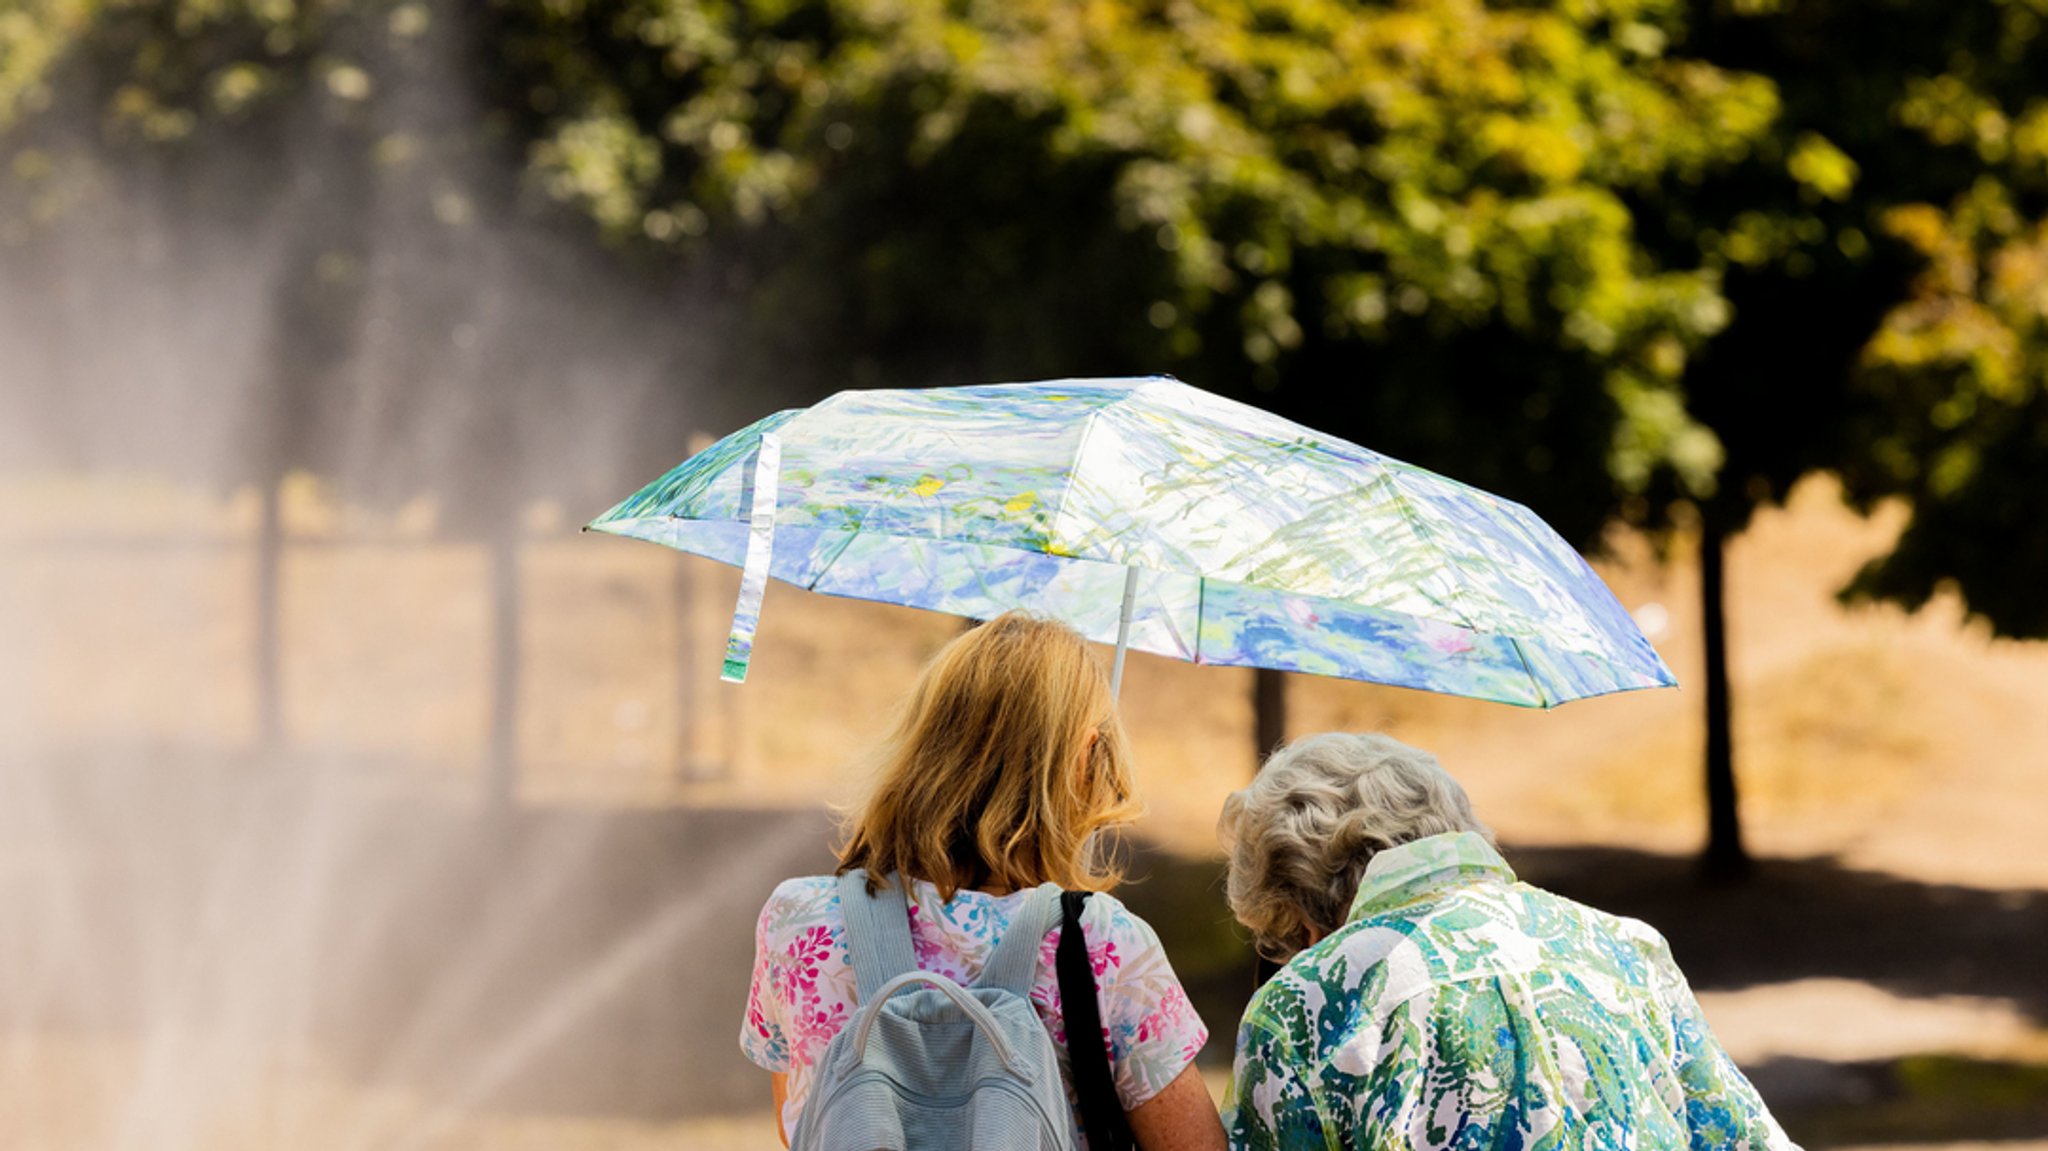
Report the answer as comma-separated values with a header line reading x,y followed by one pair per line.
x,y
1123,631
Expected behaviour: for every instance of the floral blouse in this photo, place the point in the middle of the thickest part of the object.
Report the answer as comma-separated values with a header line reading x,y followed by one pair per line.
x,y
1460,1008
804,989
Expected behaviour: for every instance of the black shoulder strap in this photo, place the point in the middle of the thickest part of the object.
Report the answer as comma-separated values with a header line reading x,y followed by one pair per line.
x,y
1102,1113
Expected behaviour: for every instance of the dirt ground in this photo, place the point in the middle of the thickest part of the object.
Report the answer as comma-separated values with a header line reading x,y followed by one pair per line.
x,y
1885,978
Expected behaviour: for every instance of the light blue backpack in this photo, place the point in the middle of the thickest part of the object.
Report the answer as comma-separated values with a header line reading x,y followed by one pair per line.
x,y
926,1064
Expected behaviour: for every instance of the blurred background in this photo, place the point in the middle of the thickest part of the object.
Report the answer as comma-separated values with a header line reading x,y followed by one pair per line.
x,y
350,799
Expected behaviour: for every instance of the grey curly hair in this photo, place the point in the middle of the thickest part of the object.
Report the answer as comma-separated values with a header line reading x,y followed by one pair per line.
x,y
1300,837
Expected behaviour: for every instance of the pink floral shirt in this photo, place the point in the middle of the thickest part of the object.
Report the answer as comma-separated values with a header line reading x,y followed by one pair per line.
x,y
804,989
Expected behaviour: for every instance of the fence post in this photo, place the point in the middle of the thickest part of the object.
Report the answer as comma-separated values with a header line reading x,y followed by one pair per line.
x,y
694,761
265,658
689,725
502,757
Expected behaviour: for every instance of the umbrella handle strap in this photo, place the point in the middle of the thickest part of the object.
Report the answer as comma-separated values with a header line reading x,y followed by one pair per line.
x,y
758,505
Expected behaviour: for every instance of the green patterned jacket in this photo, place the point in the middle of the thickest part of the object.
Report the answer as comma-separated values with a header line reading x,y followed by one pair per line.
x,y
1459,1008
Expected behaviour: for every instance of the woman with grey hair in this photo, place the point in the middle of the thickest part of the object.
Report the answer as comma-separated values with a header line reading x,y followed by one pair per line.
x,y
1429,1000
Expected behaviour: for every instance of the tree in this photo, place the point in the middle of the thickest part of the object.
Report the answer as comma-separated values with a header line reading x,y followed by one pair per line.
x,y
1958,371
184,94
422,324
1400,227
1879,251
1390,222
1635,259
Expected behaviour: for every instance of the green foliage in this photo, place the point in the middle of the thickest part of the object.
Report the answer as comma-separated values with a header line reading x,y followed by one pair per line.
x,y
89,89
156,71
1600,254
326,169
1960,364
1298,198
1890,287
34,36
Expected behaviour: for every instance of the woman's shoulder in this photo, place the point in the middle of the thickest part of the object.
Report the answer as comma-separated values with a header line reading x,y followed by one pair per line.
x,y
806,887
805,901
1105,917
800,902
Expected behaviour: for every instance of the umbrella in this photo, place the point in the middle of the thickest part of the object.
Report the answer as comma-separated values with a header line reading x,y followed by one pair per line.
x,y
1160,517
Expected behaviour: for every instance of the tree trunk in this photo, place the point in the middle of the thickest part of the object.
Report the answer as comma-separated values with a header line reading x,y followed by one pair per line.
x,y
265,659
1726,860
501,763
1269,731
1269,713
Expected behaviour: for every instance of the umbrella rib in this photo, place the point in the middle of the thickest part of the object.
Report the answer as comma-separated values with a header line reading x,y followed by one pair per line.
x,y
1542,696
1422,529
1059,515
831,559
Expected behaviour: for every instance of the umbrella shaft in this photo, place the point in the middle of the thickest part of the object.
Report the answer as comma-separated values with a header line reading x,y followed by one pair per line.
x,y
1123,632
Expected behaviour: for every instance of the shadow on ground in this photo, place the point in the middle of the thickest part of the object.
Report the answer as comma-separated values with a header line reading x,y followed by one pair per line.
x,y
1800,918
1917,1099
596,961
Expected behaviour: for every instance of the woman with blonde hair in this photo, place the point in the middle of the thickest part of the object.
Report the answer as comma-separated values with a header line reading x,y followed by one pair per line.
x,y
1006,761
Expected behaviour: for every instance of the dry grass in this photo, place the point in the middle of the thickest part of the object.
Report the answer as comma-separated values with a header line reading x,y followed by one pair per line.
x,y
1845,719
1904,745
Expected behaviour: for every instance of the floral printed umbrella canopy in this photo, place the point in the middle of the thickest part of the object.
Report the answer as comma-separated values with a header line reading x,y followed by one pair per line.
x,y
1151,512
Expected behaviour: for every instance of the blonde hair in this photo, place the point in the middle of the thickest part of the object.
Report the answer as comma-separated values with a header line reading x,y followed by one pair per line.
x,y
983,783
1300,837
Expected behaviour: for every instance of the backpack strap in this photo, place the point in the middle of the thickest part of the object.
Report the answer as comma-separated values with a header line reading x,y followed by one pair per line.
x,y
877,931
1013,965
1102,1113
